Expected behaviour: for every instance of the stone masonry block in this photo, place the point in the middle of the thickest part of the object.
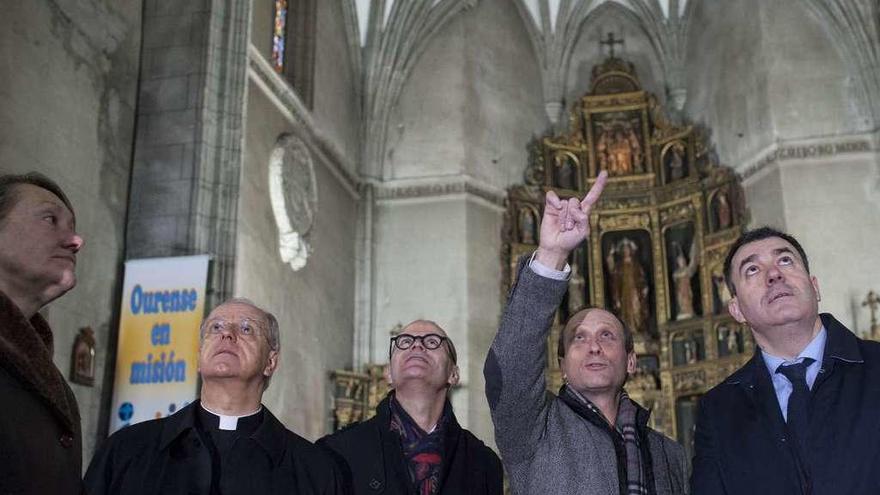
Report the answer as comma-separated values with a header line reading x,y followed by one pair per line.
x,y
151,236
171,127
174,61
177,7
170,162
170,93
173,30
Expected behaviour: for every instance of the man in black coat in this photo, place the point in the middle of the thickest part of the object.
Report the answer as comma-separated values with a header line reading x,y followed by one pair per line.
x,y
801,416
227,442
40,436
414,444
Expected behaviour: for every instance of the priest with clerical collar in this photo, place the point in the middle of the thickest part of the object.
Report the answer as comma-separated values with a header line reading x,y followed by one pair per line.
x,y
226,443
414,444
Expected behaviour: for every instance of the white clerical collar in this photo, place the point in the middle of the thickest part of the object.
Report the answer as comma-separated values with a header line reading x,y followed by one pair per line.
x,y
230,422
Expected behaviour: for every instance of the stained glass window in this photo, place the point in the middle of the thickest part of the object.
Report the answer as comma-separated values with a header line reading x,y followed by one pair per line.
x,y
279,35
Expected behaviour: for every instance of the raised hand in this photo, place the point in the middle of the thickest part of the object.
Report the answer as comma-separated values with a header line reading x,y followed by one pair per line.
x,y
566,223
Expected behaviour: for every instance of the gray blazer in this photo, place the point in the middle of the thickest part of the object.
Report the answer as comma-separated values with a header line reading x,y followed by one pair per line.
x,y
546,447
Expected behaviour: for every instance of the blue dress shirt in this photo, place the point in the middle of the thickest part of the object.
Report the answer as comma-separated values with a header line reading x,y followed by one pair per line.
x,y
815,349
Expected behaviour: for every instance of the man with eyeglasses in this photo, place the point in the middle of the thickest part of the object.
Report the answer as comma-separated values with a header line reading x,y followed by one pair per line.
x,y
414,444
226,442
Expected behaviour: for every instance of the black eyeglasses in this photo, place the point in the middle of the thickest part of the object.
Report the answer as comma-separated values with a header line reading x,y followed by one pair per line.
x,y
430,341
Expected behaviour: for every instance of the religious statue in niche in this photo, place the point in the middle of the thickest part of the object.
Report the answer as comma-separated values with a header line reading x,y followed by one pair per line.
x,y
730,340
647,375
684,287
82,359
690,355
565,168
527,225
721,211
687,349
675,161
720,293
618,149
682,274
576,290
629,285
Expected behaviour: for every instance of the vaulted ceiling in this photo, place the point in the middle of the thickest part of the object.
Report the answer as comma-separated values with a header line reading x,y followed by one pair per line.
x,y
388,36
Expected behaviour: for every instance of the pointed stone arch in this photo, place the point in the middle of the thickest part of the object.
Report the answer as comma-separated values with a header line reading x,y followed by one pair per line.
x,y
394,42
555,39
854,28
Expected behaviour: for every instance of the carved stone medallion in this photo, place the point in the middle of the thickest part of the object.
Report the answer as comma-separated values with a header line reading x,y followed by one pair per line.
x,y
293,193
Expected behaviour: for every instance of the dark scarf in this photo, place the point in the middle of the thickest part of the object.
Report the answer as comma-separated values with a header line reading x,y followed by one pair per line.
x,y
26,353
633,457
423,451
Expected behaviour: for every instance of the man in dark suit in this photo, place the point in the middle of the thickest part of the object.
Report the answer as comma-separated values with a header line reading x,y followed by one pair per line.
x,y
801,416
226,442
40,436
414,444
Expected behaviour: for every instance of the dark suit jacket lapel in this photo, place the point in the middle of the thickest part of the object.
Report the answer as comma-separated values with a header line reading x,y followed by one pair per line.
x,y
765,396
757,384
451,461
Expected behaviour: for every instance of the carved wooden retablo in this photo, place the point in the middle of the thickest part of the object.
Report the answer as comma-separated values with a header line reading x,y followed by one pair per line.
x,y
658,240
356,395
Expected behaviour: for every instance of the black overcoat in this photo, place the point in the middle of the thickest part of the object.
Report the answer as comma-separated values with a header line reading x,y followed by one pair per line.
x,y
40,436
371,459
741,443
168,457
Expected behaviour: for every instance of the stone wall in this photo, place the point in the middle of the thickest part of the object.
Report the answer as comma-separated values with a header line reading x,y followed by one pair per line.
x,y
810,90
314,305
67,110
335,108
727,78
503,106
426,132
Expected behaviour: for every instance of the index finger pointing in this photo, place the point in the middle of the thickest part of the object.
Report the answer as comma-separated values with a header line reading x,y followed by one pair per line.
x,y
595,191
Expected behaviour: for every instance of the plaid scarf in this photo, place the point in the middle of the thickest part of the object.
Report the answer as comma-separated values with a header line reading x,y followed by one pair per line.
x,y
423,451
626,426
624,435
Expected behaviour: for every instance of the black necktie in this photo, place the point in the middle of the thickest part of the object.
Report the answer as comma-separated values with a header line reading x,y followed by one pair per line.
x,y
799,399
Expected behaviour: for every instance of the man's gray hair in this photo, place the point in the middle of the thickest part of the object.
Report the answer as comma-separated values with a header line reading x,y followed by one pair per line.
x,y
273,332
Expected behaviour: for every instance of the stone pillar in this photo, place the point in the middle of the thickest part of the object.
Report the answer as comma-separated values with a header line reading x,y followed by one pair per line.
x,y
188,148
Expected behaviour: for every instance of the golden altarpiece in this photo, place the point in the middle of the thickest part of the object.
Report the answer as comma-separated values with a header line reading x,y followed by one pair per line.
x,y
658,239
